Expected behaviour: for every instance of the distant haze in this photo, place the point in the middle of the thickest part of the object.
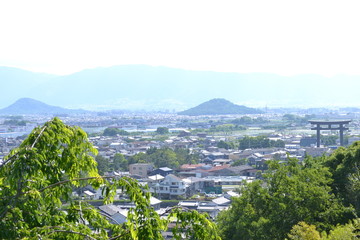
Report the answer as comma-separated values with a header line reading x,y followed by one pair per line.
x,y
145,87
279,36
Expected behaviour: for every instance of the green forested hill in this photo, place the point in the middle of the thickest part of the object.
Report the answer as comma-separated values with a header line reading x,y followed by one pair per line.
x,y
219,106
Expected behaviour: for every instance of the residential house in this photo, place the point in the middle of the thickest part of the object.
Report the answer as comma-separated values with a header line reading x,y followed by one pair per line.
x,y
192,170
210,208
235,155
171,187
231,194
115,214
212,149
189,204
116,145
222,201
155,203
88,195
221,161
161,171
243,170
254,158
184,133
190,167
156,178
215,170
218,155
317,152
196,185
229,182
140,169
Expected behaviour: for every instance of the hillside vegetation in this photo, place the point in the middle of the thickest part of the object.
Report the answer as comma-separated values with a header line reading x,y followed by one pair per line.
x,y
218,106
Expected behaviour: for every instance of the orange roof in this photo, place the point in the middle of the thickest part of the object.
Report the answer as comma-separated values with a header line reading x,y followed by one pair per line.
x,y
219,167
191,166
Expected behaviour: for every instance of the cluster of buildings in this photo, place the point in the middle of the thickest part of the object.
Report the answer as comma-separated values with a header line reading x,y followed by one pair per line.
x,y
207,186
6,144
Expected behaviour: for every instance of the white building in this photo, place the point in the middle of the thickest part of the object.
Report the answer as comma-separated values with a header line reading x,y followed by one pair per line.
x,y
171,187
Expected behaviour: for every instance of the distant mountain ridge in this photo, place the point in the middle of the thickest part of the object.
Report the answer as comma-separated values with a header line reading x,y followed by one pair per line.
x,y
219,106
143,87
31,106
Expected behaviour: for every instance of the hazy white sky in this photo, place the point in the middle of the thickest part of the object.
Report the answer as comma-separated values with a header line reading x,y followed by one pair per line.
x,y
284,37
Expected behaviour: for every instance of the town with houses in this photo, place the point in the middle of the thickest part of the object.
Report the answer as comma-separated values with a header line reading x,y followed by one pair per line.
x,y
196,120
206,185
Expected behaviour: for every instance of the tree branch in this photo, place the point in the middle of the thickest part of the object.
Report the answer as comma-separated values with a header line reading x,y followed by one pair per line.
x,y
107,216
119,236
71,180
37,138
2,214
8,160
72,232
32,146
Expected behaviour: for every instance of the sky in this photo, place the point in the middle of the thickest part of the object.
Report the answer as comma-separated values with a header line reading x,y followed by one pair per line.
x,y
284,37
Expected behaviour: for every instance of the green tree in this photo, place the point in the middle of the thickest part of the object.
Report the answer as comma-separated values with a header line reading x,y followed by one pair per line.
x,y
37,180
103,164
165,157
184,156
138,158
291,117
15,122
243,120
297,119
120,162
254,142
162,130
328,140
344,164
110,131
227,145
259,142
289,193
304,231
114,131
248,120
277,144
348,231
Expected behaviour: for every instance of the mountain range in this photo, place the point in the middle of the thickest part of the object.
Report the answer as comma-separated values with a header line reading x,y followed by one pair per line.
x,y
29,106
136,87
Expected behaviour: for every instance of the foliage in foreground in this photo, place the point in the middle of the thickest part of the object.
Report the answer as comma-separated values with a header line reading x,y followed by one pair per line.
x,y
304,231
290,193
36,182
344,165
